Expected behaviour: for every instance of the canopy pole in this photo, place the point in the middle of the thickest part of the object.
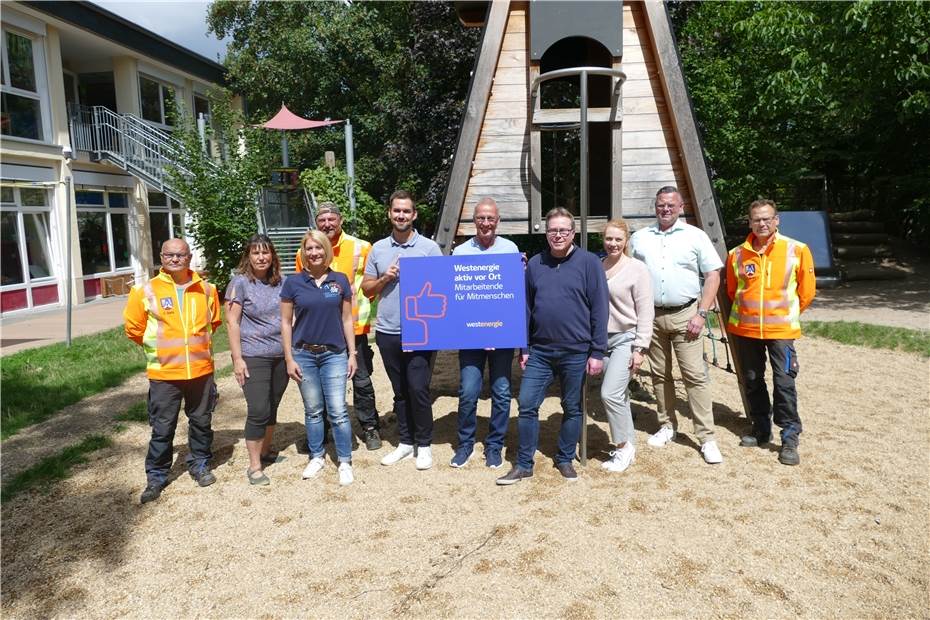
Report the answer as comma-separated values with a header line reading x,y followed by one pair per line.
x,y
350,170
285,156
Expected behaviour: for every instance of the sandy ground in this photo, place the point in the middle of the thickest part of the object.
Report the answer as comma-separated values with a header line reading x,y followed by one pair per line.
x,y
843,535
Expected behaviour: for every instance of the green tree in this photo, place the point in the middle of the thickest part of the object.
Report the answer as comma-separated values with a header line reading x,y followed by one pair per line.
x,y
786,90
398,70
221,196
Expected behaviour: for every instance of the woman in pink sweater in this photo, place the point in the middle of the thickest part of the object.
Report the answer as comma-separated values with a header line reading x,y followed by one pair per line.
x,y
629,331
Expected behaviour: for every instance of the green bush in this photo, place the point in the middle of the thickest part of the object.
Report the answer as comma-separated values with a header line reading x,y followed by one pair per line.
x,y
329,185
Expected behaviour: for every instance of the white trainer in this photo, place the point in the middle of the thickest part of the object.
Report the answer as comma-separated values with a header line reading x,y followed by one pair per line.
x,y
711,453
622,459
345,474
662,438
314,467
424,457
402,452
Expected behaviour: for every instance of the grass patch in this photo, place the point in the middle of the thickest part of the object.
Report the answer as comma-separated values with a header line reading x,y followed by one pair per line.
x,y
872,336
137,412
54,468
39,382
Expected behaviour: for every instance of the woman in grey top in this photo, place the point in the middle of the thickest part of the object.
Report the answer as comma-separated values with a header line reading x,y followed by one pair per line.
x,y
253,319
629,331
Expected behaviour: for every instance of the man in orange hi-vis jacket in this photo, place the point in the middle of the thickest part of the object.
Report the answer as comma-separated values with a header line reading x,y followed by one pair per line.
x,y
770,279
173,317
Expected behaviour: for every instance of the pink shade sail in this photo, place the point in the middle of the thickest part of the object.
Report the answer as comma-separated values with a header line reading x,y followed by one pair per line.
x,y
287,120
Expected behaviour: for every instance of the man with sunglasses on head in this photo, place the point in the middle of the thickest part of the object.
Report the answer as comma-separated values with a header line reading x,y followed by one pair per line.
x,y
472,361
677,256
567,313
173,317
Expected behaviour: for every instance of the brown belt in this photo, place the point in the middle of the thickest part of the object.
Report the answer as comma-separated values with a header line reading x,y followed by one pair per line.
x,y
317,348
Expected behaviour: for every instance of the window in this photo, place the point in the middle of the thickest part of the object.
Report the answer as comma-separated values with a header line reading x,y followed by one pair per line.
x,y
166,221
157,101
104,231
201,106
21,114
27,272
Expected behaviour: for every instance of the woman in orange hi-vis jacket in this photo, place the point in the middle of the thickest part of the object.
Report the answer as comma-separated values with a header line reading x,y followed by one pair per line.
x,y
173,317
770,279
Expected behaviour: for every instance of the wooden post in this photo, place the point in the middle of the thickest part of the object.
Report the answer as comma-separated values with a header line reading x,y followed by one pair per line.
x,y
471,124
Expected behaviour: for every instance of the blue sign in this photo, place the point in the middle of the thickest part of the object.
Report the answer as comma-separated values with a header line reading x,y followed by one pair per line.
x,y
462,302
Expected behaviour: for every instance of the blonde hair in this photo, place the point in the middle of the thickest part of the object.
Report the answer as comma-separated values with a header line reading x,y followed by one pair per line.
x,y
620,224
321,239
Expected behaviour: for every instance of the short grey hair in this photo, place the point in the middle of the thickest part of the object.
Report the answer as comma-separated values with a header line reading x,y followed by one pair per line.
x,y
560,212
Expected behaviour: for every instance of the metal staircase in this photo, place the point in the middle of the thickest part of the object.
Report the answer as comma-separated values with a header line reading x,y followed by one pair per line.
x,y
128,142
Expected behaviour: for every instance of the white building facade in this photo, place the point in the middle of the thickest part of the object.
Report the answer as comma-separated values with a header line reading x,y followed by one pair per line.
x,y
85,97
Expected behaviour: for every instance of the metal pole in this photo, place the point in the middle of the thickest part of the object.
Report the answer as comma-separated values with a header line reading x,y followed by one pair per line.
x,y
584,241
350,170
285,156
68,276
202,131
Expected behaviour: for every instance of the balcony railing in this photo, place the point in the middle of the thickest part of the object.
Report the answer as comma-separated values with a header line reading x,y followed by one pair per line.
x,y
128,142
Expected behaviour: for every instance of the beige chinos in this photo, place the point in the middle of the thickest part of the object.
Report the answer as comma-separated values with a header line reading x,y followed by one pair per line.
x,y
668,334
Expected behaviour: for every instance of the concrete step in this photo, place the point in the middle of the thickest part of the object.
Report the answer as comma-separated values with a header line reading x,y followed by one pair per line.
x,y
856,227
860,238
862,251
871,271
850,216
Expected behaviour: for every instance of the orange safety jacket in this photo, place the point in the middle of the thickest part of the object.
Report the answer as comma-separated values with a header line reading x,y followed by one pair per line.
x,y
771,289
350,254
176,337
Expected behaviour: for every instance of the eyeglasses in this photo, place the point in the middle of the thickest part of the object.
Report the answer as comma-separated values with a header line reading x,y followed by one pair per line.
x,y
559,232
666,206
762,220
486,218
173,256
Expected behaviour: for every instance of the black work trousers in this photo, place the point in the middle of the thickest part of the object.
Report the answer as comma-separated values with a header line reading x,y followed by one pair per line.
x,y
410,373
783,408
199,396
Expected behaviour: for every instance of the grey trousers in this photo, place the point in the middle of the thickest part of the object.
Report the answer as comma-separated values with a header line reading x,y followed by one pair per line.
x,y
614,388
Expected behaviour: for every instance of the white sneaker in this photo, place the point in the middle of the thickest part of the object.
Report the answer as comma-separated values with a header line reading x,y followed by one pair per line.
x,y
402,452
711,453
345,474
314,467
622,459
662,438
424,457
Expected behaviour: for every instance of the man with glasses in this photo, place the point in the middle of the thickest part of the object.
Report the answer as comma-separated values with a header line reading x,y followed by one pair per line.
x,y
566,296
472,361
770,279
173,317
677,255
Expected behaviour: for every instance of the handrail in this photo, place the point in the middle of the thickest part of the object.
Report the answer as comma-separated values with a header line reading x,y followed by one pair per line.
x,y
128,141
572,71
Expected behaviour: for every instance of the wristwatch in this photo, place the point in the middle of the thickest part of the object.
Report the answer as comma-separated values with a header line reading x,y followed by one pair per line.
x,y
702,314
640,350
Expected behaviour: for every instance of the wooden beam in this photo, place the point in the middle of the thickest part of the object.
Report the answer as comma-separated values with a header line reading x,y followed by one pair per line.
x,y
706,209
478,96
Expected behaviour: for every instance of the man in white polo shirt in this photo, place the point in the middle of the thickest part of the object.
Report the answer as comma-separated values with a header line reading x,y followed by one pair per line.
x,y
677,254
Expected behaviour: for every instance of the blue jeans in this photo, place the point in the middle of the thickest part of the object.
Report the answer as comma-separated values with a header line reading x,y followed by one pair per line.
x,y
471,367
324,381
541,368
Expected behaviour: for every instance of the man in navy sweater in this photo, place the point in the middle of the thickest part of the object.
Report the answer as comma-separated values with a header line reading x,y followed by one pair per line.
x,y
566,296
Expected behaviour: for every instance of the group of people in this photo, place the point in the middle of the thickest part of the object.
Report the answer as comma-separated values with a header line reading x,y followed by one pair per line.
x,y
648,296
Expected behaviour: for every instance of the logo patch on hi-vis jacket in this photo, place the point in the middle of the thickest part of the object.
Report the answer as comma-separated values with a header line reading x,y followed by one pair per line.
x,y
750,270
167,303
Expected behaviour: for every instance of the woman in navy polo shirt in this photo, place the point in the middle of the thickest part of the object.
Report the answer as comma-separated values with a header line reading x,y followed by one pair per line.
x,y
316,319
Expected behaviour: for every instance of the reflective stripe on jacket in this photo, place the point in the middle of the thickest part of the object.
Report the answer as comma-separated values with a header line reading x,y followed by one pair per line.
x,y
350,254
177,337
769,290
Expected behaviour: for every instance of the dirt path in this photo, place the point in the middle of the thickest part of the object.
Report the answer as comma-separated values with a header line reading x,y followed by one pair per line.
x,y
843,535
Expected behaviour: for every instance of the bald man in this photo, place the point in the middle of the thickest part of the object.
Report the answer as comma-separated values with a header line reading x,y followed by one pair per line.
x,y
173,317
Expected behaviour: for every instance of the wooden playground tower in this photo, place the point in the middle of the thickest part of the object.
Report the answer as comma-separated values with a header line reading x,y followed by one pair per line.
x,y
615,64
